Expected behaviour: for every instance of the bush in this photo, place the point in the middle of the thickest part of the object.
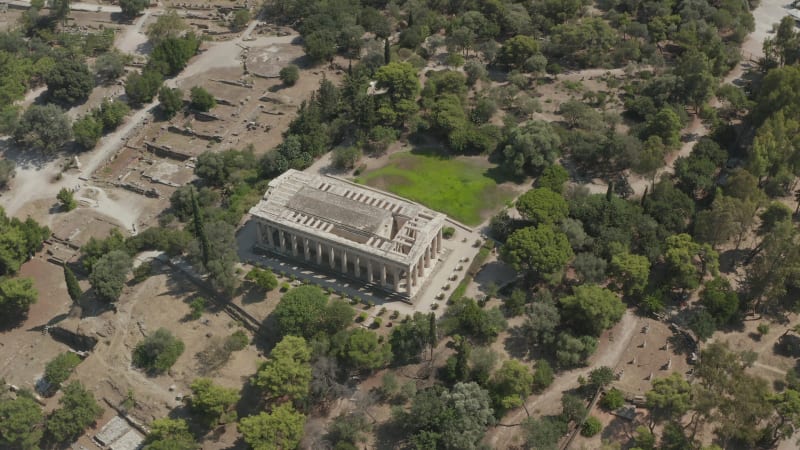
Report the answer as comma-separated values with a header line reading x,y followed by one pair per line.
x,y
289,75
197,305
59,369
87,131
361,317
345,158
448,232
612,400
262,278
285,286
142,272
158,352
202,100
237,341
141,89
591,427
377,322
762,329
67,199
240,19
171,101
542,376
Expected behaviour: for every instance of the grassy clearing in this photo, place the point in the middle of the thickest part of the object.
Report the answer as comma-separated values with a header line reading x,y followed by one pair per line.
x,y
464,189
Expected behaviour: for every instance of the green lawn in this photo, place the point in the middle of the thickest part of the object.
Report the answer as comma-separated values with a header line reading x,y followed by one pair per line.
x,y
459,187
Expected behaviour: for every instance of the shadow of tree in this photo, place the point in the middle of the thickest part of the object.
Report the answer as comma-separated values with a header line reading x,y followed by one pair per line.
x,y
516,344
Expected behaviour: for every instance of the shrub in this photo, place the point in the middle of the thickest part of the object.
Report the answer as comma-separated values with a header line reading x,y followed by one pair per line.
x,y
59,369
158,352
377,322
237,341
263,278
240,19
591,427
197,305
142,272
202,100
289,75
542,376
762,329
361,317
73,288
448,232
612,400
67,199
285,286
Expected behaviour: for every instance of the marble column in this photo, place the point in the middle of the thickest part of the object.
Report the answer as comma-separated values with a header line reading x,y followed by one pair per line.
x,y
439,241
319,253
282,238
259,233
294,244
383,274
331,258
414,275
270,240
369,271
420,267
427,256
358,266
306,249
344,261
396,279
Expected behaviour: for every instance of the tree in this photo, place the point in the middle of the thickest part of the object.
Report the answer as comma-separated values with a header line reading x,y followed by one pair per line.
x,y
466,318
132,8
720,300
544,433
349,428
687,261
172,54
171,101
78,410
517,50
58,369
59,9
158,351
591,427
169,434
573,408
542,375
168,25
289,75
300,310
541,205
573,351
111,65
45,128
67,199
670,206
629,272
553,177
213,404
531,147
141,88
589,267
240,19
87,131
69,82
448,419
612,400
592,309
667,125
280,429
409,338
541,322
697,82
7,171
511,385
16,297
541,250
73,288
320,45
263,278
201,99
109,274
362,351
669,399
287,372
20,423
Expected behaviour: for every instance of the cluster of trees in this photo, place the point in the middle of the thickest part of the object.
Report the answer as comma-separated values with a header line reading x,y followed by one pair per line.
x,y
23,425
103,119
19,240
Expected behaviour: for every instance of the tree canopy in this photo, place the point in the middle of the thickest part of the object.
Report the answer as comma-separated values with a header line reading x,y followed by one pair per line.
x,y
282,428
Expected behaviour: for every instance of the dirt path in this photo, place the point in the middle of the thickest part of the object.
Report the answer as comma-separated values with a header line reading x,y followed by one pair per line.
x,y
134,41
549,402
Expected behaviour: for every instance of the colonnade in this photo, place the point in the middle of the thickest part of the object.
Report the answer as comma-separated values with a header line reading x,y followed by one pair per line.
x,y
370,268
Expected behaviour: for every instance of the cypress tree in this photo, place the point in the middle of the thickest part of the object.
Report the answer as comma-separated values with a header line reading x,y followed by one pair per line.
x,y
73,288
432,332
387,52
199,231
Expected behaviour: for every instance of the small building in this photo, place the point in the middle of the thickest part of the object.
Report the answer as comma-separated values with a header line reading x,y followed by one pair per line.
x,y
359,232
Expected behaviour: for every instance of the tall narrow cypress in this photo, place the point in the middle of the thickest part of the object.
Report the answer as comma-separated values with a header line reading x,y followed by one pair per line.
x,y
387,51
199,230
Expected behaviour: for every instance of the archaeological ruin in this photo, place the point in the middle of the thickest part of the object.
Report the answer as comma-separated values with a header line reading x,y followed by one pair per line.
x,y
353,230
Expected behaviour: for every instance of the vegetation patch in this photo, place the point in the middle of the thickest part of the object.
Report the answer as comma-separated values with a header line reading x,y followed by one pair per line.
x,y
458,187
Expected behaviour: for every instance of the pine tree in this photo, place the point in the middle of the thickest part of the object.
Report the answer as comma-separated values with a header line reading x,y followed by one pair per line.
x,y
73,288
